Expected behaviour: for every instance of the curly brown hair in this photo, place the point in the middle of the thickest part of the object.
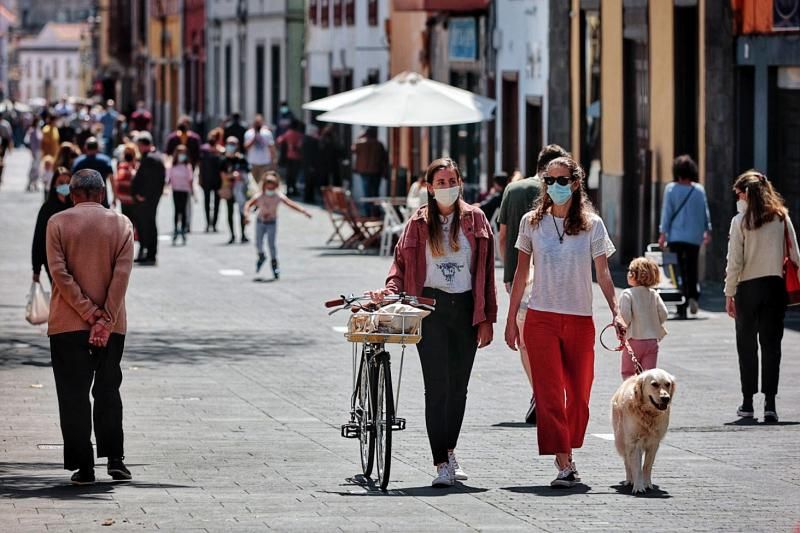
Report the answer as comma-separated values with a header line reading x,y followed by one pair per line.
x,y
764,203
435,235
645,272
580,210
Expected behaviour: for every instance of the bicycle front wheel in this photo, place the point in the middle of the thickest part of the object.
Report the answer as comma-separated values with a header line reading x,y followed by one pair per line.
x,y
363,409
384,417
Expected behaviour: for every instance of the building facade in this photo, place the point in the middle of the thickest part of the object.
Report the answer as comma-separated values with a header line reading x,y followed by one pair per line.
x,y
521,46
194,60
767,81
254,57
647,81
52,64
122,72
165,66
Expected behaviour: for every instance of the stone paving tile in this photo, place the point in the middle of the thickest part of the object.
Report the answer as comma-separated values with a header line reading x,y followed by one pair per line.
x,y
234,392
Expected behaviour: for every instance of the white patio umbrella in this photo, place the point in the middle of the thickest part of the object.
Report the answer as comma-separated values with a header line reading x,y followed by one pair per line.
x,y
407,100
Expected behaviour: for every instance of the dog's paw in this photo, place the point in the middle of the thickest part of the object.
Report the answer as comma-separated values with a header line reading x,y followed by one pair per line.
x,y
638,488
649,485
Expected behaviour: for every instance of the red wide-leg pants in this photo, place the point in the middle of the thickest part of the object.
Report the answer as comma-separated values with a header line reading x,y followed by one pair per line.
x,y
561,354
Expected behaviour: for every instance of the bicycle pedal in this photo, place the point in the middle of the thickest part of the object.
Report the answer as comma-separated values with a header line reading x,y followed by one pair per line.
x,y
399,424
350,431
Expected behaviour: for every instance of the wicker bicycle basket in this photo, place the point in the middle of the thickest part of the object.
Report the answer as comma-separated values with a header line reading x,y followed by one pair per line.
x,y
384,328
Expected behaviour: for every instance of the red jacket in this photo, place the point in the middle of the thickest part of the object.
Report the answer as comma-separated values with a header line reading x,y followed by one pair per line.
x,y
409,267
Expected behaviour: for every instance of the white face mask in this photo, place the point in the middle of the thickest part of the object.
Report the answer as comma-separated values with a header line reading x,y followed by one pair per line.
x,y
741,206
447,197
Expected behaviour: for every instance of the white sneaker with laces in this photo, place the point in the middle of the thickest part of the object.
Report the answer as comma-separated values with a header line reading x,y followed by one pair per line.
x,y
444,477
458,473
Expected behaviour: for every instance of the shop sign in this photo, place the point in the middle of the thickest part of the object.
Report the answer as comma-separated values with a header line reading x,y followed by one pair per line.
x,y
462,39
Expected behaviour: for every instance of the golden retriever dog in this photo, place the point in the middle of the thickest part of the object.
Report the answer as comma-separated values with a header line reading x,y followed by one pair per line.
x,y
640,417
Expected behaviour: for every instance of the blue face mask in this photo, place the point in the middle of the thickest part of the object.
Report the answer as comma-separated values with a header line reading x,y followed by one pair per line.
x,y
181,158
230,148
63,189
560,194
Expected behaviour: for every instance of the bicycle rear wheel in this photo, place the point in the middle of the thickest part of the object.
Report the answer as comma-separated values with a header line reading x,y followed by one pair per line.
x,y
363,410
384,417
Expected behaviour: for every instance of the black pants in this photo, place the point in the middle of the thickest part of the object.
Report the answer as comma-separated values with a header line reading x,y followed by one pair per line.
x,y
179,200
292,171
76,365
211,198
148,231
688,256
446,353
232,207
760,309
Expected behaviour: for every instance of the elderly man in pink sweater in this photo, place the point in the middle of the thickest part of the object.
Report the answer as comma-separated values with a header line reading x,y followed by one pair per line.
x,y
90,255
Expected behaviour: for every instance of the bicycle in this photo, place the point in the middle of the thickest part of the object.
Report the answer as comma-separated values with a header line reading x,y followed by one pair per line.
x,y
373,405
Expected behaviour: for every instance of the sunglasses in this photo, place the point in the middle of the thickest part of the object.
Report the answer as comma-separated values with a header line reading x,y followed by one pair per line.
x,y
562,180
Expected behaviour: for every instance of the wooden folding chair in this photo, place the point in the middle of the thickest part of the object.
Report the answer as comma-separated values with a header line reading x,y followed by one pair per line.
x,y
366,230
337,217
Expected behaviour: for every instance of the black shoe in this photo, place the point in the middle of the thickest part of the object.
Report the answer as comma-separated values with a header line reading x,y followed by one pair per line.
x,y
530,416
148,261
83,477
245,239
770,417
260,262
564,479
745,411
232,239
117,470
275,270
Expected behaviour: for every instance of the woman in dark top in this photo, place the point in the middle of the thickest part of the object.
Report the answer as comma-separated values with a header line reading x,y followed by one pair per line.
x,y
57,200
210,176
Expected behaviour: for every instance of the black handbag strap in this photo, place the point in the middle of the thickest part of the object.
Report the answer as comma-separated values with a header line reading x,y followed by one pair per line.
x,y
683,203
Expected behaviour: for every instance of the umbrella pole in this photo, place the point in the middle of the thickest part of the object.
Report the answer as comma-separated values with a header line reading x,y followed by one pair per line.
x,y
395,135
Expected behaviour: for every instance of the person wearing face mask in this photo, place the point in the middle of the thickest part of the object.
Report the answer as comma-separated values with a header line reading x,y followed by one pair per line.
x,y
685,226
446,252
180,177
267,222
561,237
57,200
234,185
260,148
761,236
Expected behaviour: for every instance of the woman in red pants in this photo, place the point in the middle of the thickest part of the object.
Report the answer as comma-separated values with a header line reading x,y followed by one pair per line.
x,y
561,237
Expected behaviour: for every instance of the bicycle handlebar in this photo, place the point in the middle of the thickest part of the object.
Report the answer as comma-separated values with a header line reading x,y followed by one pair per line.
x,y
418,300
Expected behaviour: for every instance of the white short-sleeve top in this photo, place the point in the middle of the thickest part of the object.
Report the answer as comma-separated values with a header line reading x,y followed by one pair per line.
x,y
562,279
451,272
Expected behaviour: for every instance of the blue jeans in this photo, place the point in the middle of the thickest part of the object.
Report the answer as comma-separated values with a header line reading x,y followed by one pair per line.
x,y
269,229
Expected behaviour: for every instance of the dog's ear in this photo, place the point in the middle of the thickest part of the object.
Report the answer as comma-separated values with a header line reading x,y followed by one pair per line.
x,y
674,385
638,390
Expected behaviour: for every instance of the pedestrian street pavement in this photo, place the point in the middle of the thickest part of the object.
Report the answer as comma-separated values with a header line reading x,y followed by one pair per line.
x,y
234,391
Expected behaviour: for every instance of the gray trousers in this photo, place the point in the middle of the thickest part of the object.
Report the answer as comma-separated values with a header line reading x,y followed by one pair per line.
x,y
268,229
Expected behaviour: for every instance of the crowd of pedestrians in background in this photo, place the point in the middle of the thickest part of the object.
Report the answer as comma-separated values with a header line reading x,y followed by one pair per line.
x,y
228,167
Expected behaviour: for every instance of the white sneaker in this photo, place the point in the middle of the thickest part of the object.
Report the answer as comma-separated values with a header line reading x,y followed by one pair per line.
x,y
444,477
456,470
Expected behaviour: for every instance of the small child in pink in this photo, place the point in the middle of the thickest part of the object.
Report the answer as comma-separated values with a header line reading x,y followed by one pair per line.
x,y
644,313
180,177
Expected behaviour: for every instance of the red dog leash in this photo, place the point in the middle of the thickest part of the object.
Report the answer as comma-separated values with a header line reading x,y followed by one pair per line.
x,y
623,345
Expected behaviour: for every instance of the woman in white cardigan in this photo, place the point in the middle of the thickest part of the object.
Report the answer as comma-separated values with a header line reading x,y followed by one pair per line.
x,y
754,287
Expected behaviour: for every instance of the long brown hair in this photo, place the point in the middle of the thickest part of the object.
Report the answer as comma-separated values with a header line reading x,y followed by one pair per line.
x,y
434,221
763,201
581,209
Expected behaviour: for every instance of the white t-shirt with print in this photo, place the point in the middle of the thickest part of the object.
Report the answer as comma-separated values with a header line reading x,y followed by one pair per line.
x,y
258,153
562,279
451,272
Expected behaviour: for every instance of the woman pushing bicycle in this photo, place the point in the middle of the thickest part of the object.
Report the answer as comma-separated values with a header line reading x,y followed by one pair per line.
x,y
446,252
